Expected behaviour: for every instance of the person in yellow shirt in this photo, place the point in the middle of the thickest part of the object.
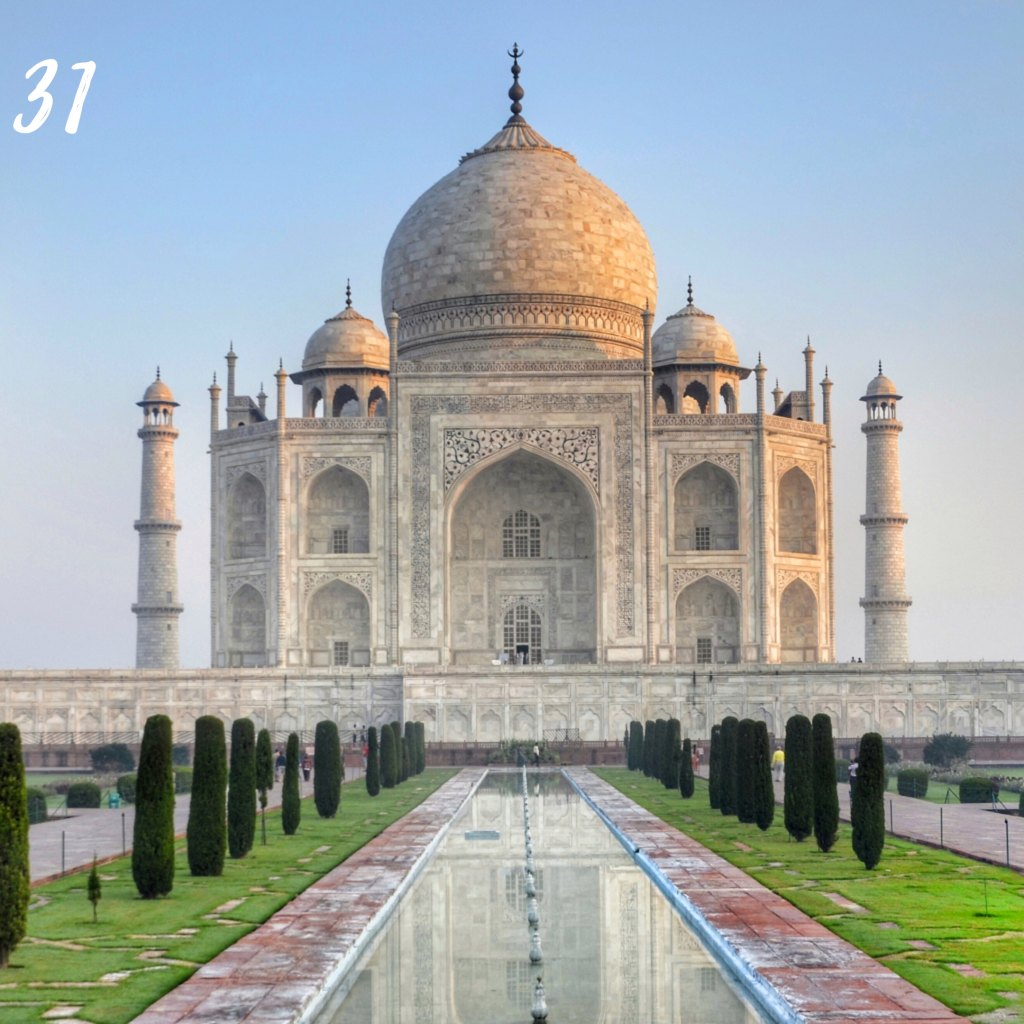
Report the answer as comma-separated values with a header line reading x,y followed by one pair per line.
x,y
779,763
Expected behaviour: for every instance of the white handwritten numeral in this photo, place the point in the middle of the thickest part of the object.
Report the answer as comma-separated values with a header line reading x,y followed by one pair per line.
x,y
40,93
87,67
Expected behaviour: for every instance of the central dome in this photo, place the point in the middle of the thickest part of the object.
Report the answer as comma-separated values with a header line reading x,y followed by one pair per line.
x,y
519,253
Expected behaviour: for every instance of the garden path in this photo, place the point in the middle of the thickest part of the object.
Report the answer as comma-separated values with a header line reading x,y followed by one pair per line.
x,y
89,832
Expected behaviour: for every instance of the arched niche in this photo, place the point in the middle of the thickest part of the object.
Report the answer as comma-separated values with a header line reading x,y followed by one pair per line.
x,y
522,635
555,568
695,398
706,510
315,398
338,626
708,623
346,402
247,518
728,398
798,622
664,400
377,402
798,529
247,628
338,513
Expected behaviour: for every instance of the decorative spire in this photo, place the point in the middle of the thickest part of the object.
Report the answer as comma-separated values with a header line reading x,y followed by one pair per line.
x,y
879,367
280,363
158,373
515,94
689,293
214,376
348,293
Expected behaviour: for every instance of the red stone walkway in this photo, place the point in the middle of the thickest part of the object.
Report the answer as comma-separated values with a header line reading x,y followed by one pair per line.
x,y
276,972
823,977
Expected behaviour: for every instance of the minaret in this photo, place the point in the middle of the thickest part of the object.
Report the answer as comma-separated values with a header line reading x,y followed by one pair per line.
x,y
809,379
157,607
885,600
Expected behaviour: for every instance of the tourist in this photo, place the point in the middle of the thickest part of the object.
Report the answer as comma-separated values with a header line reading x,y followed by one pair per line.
x,y
307,765
853,776
366,756
536,756
279,763
779,763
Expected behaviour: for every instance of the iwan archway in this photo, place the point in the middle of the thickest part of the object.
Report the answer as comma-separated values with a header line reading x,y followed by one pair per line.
x,y
522,571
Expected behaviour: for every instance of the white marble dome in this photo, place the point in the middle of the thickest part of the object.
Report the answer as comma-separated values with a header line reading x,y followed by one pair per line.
x,y
520,253
347,341
693,336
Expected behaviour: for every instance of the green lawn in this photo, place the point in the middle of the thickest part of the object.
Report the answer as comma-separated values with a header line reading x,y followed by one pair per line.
x,y
931,896
937,790
141,949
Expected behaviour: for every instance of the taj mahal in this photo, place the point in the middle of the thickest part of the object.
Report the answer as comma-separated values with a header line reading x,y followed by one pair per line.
x,y
522,501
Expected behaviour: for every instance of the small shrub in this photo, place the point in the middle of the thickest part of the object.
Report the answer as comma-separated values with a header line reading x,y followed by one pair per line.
x,y
912,782
207,832
328,770
842,770
153,834
372,762
242,788
826,797
978,789
264,774
182,780
36,802
944,748
112,757
179,755
892,755
291,803
95,889
126,787
14,866
84,794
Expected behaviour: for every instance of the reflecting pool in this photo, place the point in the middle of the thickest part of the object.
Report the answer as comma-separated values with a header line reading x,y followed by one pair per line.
x,y
457,948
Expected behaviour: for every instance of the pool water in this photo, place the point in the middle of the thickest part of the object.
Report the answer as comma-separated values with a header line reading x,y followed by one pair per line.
x,y
457,947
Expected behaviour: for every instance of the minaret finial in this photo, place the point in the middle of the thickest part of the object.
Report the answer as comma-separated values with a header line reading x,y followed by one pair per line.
x,y
280,363
214,376
158,373
515,94
689,293
879,367
348,293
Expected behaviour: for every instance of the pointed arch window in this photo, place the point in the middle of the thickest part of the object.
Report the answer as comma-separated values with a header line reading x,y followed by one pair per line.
x,y
520,536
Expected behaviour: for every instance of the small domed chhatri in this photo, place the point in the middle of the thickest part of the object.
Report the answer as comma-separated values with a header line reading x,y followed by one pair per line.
x,y
347,340
881,387
519,253
691,335
158,391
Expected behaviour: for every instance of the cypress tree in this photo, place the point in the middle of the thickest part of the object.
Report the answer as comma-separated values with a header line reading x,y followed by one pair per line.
x,y
635,754
14,869
403,746
826,797
264,774
797,781
867,808
242,788
715,768
207,833
648,748
410,743
727,765
291,802
670,757
745,753
686,771
372,762
328,770
764,788
421,747
660,749
153,835
388,758
95,890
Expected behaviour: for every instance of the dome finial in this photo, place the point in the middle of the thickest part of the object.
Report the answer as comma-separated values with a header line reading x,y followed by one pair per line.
x,y
515,94
348,293
879,367
689,291
158,373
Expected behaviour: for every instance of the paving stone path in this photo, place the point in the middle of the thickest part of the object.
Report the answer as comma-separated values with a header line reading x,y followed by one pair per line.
x,y
275,972
99,832
823,977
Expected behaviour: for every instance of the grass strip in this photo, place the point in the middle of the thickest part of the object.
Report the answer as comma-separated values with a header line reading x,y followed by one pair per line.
x,y
111,971
949,925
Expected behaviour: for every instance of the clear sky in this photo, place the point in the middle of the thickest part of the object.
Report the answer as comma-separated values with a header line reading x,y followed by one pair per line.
x,y
852,172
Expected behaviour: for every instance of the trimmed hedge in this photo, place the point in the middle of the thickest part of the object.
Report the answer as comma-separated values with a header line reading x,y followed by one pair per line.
x,y
35,801
648,765
764,788
14,869
672,754
686,771
635,753
291,803
242,788
153,835
727,785
84,794
372,762
977,789
826,796
182,780
798,779
715,768
404,747
207,835
867,808
745,771
421,748
126,785
660,744
912,782
388,758
328,770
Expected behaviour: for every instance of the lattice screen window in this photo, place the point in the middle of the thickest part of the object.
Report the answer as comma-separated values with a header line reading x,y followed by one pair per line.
x,y
339,541
703,650
519,984
340,652
703,540
522,627
708,979
520,536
